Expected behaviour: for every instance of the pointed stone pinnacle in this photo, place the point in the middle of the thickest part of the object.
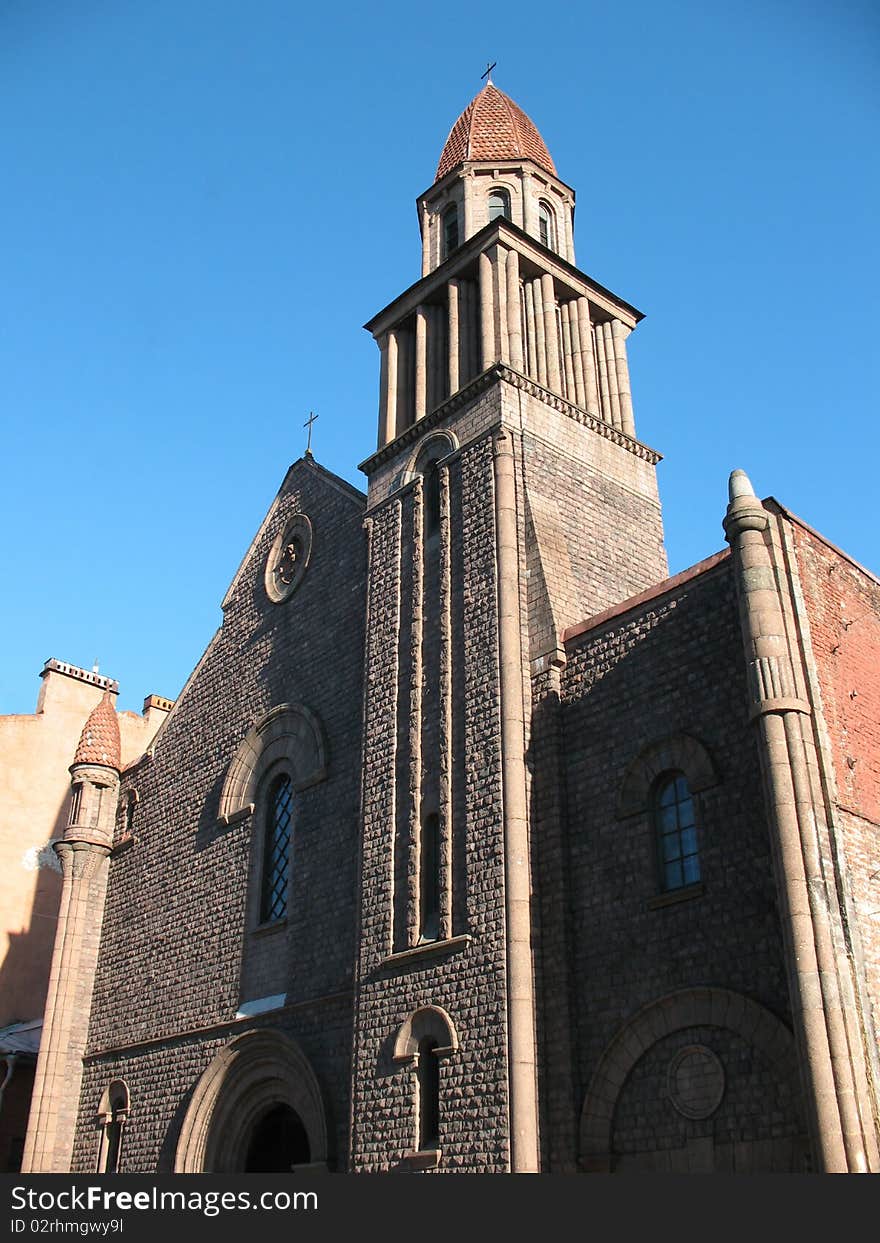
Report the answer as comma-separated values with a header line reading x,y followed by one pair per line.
x,y
739,484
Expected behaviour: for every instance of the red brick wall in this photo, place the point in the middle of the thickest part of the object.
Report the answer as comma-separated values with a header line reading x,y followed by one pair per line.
x,y
843,606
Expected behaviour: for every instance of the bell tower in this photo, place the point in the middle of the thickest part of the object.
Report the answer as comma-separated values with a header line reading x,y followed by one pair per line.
x,y
509,497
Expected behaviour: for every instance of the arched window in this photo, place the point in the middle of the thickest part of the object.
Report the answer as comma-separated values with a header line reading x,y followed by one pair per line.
x,y
429,1094
450,230
429,878
676,831
546,225
499,204
112,1114
276,849
427,1036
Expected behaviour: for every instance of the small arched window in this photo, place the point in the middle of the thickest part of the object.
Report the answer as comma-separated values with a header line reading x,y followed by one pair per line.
x,y
450,230
112,1114
676,831
429,1095
499,204
276,849
546,225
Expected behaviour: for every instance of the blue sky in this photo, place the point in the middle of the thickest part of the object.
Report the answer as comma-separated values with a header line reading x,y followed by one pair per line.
x,y
205,201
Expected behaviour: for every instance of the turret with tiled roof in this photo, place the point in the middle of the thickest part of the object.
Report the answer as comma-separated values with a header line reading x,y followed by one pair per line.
x,y
494,163
99,741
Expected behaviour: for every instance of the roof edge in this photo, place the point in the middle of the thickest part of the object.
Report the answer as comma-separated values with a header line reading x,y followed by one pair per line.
x,y
651,593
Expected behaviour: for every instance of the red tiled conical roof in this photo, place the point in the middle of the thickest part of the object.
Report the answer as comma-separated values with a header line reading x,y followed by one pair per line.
x,y
492,127
99,740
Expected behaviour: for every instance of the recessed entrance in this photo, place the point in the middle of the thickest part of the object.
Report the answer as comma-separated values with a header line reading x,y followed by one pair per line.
x,y
278,1143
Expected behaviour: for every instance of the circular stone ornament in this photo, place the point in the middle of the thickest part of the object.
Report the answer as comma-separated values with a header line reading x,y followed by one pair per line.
x,y
288,558
695,1081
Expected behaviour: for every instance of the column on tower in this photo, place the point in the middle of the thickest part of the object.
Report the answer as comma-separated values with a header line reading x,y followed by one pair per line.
x,y
502,305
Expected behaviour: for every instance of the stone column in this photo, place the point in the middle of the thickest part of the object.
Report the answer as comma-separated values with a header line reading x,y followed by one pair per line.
x,y
424,222
551,333
467,208
840,1136
528,218
611,372
568,214
488,353
619,333
531,342
514,311
522,1061
602,368
385,432
498,255
586,339
567,352
452,338
391,386
577,361
421,369
540,343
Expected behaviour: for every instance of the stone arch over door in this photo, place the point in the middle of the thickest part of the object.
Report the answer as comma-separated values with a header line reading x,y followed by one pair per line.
x,y
253,1074
688,1008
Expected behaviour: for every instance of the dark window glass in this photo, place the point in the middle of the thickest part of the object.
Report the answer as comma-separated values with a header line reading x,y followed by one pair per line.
x,y
676,832
277,850
546,230
130,806
429,1094
450,230
499,204
430,878
432,499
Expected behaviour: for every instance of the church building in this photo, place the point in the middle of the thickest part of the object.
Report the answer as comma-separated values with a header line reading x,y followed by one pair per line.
x,y
475,842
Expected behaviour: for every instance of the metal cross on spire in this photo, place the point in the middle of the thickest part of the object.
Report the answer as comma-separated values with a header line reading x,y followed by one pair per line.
x,y
308,423
486,75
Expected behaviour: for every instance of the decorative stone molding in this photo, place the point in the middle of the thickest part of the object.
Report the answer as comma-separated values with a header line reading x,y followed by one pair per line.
x,y
430,1021
434,447
290,732
680,752
483,381
252,1074
693,1007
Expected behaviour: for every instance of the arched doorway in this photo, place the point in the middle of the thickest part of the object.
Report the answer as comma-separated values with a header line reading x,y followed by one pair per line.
x,y
277,1143
256,1109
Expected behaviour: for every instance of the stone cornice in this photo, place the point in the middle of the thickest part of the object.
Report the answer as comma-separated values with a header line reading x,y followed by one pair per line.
x,y
500,371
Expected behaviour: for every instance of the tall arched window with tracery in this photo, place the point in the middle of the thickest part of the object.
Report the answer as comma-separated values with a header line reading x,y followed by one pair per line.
x,y
676,831
277,840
